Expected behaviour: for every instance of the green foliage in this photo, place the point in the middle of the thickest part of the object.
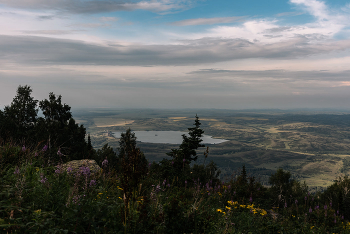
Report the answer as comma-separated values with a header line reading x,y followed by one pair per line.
x,y
19,118
187,149
64,138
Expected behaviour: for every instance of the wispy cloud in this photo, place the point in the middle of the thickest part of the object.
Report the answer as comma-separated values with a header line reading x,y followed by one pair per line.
x,y
99,6
207,21
293,13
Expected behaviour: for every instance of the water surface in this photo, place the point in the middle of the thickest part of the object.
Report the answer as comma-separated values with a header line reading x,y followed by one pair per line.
x,y
168,137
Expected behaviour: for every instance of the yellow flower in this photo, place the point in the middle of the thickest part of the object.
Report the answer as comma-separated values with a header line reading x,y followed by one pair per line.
x,y
120,198
229,208
312,227
100,193
219,210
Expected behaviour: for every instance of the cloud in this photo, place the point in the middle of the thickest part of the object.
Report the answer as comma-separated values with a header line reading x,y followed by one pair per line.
x,y
108,19
207,21
314,7
293,13
341,77
50,32
100,6
42,50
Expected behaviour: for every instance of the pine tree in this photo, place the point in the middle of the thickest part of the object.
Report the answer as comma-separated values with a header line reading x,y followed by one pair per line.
x,y
187,149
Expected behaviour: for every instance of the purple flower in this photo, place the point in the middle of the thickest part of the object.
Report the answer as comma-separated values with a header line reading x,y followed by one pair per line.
x,y
58,170
330,204
310,210
185,181
85,171
325,207
337,212
285,205
92,183
335,221
16,171
23,148
105,163
184,160
305,198
36,154
172,162
44,148
342,217
168,185
250,199
69,169
43,179
296,202
149,165
317,207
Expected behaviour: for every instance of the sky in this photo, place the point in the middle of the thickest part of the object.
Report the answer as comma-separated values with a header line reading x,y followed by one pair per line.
x,y
219,54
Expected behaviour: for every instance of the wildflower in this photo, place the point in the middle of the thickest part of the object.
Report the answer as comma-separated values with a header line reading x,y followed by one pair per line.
x,y
58,170
250,199
105,163
23,148
184,160
285,205
172,162
296,202
305,198
312,227
43,179
69,169
36,154
330,204
168,185
219,210
44,148
92,183
85,171
325,207
310,210
16,171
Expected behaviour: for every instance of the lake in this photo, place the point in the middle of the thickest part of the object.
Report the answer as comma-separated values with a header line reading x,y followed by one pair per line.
x,y
167,137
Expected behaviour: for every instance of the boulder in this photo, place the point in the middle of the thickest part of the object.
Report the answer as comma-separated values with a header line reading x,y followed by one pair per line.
x,y
84,166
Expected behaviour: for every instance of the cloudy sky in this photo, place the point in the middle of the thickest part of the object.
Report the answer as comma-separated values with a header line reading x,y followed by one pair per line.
x,y
178,53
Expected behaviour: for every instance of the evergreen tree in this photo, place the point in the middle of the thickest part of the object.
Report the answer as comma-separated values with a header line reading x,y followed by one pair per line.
x,y
187,149
21,116
133,165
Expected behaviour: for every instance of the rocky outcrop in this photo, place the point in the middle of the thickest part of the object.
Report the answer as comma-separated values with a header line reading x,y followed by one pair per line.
x,y
84,166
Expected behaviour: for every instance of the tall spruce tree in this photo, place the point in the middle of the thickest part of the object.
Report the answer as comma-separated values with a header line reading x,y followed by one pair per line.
x,y
187,149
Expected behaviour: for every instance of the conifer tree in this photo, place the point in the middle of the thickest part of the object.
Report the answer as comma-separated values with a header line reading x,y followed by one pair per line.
x,y
187,149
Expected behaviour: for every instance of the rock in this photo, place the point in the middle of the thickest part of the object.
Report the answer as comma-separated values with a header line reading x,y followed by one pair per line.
x,y
84,166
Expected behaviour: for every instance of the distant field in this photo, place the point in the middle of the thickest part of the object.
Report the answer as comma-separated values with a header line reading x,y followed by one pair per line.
x,y
314,147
